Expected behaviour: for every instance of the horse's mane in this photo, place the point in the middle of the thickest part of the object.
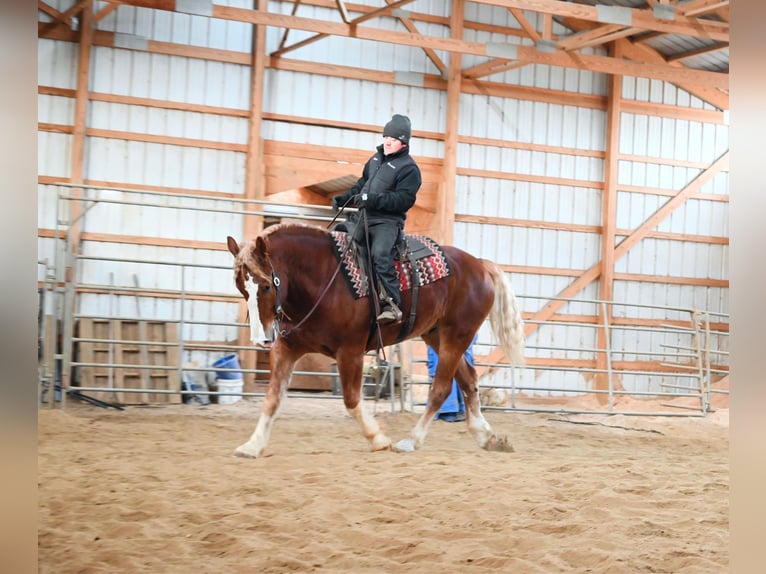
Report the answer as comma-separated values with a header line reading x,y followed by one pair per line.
x,y
249,257
246,259
286,227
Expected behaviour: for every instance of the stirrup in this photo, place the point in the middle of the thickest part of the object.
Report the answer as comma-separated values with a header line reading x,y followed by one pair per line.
x,y
390,313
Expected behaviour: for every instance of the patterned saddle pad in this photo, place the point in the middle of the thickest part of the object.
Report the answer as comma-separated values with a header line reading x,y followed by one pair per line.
x,y
428,256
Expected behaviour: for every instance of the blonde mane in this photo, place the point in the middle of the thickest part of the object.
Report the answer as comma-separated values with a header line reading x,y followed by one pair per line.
x,y
280,226
245,259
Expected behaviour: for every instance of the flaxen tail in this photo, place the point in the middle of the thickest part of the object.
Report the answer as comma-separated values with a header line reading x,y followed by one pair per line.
x,y
505,316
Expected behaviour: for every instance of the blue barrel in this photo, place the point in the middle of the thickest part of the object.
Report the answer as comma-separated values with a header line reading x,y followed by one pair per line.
x,y
227,362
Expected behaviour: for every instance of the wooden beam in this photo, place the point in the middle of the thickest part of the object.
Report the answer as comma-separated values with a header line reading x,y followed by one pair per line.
x,y
105,11
582,38
522,53
356,21
593,272
254,168
436,82
606,37
697,7
639,18
638,52
81,111
719,165
446,208
525,24
430,53
564,181
608,220
702,51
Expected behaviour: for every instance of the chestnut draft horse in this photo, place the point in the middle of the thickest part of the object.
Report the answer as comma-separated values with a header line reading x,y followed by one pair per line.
x,y
289,277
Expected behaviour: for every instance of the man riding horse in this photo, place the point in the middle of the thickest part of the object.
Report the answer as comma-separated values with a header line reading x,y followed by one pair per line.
x,y
387,190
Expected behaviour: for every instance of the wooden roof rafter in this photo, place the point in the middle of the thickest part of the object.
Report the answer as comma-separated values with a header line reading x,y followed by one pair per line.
x,y
653,66
62,18
383,11
636,49
432,55
642,18
699,7
65,19
713,48
592,29
642,53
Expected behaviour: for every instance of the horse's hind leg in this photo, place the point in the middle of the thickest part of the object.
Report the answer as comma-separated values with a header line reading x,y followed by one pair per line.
x,y
478,426
350,366
281,370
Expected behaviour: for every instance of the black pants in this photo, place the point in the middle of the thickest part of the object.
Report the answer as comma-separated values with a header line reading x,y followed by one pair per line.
x,y
383,236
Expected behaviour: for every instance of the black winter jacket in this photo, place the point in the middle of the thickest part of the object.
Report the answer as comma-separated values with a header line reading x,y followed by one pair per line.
x,y
391,184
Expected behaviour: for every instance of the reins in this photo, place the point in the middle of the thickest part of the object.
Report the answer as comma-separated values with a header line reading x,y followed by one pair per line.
x,y
371,282
280,312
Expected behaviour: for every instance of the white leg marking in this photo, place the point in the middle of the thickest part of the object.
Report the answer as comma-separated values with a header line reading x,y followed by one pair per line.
x,y
253,448
478,426
260,437
370,428
417,435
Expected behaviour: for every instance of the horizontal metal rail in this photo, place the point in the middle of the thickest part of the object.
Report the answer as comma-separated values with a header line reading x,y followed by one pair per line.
x,y
696,328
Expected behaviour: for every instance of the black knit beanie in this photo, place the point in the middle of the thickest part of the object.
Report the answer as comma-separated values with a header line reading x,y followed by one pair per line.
x,y
399,127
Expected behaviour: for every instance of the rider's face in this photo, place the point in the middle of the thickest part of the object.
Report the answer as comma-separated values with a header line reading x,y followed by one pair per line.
x,y
391,145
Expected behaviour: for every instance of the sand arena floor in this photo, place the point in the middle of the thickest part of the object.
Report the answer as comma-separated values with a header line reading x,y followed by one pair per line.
x,y
156,489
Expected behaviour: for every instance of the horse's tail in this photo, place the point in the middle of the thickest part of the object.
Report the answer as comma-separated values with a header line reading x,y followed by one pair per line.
x,y
505,316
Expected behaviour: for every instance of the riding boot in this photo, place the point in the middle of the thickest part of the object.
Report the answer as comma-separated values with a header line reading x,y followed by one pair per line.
x,y
390,312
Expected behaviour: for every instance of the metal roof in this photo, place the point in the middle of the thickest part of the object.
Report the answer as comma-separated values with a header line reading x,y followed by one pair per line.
x,y
692,51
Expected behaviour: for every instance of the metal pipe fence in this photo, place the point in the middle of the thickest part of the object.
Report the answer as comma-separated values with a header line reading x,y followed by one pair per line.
x,y
686,369
693,364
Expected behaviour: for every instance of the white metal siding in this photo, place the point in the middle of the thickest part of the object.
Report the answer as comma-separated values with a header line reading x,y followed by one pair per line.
x,y
669,154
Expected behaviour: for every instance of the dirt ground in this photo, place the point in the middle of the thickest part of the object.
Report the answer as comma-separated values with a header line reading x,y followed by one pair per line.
x,y
157,489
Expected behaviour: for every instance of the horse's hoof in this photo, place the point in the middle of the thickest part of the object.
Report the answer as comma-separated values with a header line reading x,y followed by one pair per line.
x,y
381,442
498,444
404,445
244,452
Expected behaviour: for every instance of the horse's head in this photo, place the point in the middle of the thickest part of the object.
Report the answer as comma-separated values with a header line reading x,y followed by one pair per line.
x,y
253,278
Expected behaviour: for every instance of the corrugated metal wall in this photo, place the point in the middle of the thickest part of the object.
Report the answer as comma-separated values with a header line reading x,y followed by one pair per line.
x,y
550,181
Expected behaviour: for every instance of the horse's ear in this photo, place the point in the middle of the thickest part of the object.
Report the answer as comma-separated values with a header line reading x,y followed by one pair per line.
x,y
233,245
260,245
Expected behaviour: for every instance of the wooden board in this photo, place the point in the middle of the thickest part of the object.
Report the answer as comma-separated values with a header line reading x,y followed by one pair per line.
x,y
127,352
313,362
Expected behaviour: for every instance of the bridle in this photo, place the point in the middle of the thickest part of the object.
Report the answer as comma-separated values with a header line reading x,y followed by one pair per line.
x,y
279,311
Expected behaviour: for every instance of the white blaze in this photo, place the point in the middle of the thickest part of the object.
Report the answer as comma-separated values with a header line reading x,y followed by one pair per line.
x,y
257,334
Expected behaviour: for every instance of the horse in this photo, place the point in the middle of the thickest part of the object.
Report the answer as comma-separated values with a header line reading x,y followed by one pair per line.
x,y
288,276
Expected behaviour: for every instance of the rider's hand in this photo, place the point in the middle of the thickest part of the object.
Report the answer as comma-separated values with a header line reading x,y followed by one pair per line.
x,y
337,202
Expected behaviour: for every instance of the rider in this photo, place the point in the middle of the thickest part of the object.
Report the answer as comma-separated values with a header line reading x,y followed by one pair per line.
x,y
387,189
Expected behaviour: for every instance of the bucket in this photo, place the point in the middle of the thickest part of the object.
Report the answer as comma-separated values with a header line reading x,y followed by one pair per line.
x,y
193,382
228,386
227,362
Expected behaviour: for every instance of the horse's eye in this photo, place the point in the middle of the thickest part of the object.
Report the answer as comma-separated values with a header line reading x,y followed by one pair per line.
x,y
265,288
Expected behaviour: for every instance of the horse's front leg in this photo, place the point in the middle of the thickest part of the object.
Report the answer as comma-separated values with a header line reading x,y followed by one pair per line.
x,y
350,367
281,371
438,393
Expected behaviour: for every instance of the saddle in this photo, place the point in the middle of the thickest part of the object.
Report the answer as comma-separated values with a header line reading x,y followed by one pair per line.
x,y
418,261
